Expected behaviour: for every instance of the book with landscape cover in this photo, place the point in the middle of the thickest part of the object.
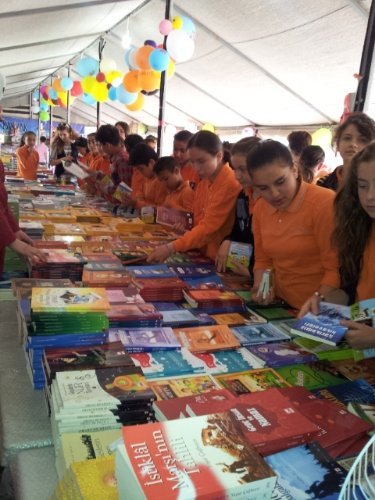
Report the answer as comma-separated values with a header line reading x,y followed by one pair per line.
x,y
239,253
170,216
163,364
207,338
69,299
225,361
311,376
282,353
305,472
356,391
146,339
262,334
201,457
251,381
177,387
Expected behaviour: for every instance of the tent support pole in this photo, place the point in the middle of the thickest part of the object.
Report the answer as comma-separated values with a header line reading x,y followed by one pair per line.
x,y
68,100
98,104
39,122
163,87
366,61
50,123
30,104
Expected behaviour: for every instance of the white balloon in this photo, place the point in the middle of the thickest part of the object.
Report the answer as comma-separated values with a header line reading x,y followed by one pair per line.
x,y
108,65
180,46
35,109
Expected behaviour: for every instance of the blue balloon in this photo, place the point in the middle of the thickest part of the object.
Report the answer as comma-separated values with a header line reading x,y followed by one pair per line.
x,y
66,83
128,59
188,25
112,93
159,59
52,93
88,99
126,97
44,106
87,67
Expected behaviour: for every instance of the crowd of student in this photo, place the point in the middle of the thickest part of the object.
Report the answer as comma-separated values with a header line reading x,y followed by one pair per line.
x,y
320,245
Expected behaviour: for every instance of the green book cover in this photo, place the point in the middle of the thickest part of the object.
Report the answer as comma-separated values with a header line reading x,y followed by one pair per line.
x,y
308,376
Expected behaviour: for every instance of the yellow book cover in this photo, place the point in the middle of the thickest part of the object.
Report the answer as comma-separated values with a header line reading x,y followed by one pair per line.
x,y
68,229
67,238
69,299
178,387
129,225
251,381
95,479
229,319
102,229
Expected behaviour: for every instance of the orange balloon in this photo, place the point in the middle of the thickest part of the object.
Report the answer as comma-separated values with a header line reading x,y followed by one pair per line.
x,y
131,81
142,56
137,105
56,84
149,80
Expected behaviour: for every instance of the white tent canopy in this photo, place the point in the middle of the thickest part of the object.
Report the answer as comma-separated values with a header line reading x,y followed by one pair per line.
x,y
270,64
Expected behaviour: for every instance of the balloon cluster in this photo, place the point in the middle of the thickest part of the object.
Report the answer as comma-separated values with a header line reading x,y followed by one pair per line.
x,y
101,82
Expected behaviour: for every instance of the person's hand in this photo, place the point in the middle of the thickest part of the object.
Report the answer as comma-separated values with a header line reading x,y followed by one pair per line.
x,y
240,269
160,254
21,235
359,335
221,257
311,305
68,158
179,228
32,253
257,296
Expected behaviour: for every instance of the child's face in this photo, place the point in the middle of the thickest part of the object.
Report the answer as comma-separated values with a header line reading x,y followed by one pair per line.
x,y
171,180
121,131
238,163
91,144
180,152
204,163
350,143
146,170
82,150
366,187
30,141
64,135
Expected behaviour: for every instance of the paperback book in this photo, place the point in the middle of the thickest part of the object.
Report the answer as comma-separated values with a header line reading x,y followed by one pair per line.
x,y
251,381
262,334
143,340
209,338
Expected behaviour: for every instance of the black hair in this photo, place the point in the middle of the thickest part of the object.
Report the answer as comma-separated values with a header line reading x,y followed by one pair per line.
x,y
141,154
93,134
166,163
151,138
108,134
125,127
266,152
210,143
183,136
362,122
310,158
244,146
132,140
298,140
43,139
24,135
81,142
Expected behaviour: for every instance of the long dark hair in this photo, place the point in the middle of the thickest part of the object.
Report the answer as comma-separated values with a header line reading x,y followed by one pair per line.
x,y
353,224
210,143
362,122
310,158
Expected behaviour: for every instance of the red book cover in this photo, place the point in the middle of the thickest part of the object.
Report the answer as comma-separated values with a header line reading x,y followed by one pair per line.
x,y
170,216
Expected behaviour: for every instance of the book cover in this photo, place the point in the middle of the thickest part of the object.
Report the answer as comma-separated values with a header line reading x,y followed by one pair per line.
x,y
356,391
201,457
282,353
252,335
237,319
94,475
310,376
182,386
105,266
197,297
162,363
147,339
325,327
306,472
225,361
170,216
69,299
208,338
251,381
239,253
364,369
156,271
121,189
194,271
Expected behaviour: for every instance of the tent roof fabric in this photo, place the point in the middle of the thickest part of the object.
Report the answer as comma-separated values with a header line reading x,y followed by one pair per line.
x,y
271,63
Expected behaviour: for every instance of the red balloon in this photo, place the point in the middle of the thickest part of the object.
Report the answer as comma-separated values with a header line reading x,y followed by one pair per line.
x,y
76,90
100,77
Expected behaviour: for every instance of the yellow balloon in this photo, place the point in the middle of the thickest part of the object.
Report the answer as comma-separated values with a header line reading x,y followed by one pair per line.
x,y
88,84
171,68
209,127
137,105
322,137
100,91
64,97
177,23
114,77
149,79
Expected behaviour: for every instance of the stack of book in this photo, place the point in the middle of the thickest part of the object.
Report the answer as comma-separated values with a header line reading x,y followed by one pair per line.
x,y
160,289
34,229
134,316
104,273
214,299
59,264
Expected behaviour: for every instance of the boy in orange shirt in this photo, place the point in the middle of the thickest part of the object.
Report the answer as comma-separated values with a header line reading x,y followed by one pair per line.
x,y
27,158
181,153
150,192
180,195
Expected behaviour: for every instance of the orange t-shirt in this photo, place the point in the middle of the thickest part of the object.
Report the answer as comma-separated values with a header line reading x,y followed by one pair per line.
x,y
213,210
137,183
296,243
152,193
189,174
27,163
100,164
181,199
366,283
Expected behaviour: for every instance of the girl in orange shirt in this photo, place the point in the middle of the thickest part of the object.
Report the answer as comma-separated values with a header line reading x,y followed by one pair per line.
x,y
292,226
354,236
27,158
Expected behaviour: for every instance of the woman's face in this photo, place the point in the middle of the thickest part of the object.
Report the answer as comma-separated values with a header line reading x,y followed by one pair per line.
x,y
204,163
366,187
350,143
276,182
121,131
64,135
30,140
238,163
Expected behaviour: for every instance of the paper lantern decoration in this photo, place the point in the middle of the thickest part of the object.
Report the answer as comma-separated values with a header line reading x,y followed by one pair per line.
x,y
180,45
100,91
44,116
108,65
124,96
177,22
66,83
131,81
76,90
138,104
322,137
88,84
165,27
114,78
159,59
149,80
112,94
141,57
87,67
88,99
209,127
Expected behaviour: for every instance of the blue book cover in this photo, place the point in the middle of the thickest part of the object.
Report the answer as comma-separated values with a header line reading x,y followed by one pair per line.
x,y
66,340
306,472
249,335
194,271
182,317
325,327
156,271
167,306
355,391
145,339
211,281
219,362
162,364
282,353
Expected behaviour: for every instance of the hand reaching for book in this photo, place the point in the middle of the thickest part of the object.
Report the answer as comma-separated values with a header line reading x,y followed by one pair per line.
x,y
359,335
20,235
221,257
160,254
32,253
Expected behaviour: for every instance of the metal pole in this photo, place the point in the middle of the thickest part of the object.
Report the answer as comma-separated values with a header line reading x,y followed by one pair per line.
x,y
366,61
68,100
30,104
163,86
39,122
50,121
98,104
